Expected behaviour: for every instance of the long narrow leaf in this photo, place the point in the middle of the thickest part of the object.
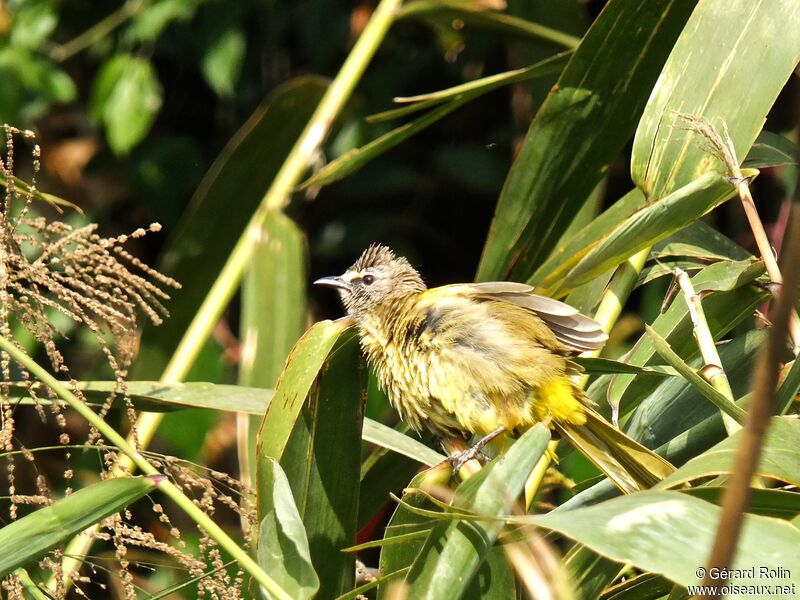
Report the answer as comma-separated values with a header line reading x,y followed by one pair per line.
x,y
28,538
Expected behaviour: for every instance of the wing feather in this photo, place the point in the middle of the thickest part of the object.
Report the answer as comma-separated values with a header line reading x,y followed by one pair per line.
x,y
576,331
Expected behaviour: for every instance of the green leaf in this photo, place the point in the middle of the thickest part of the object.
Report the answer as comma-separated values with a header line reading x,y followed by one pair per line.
x,y
718,399
779,459
223,59
273,314
479,18
480,86
788,391
455,549
591,573
33,22
28,538
126,97
303,366
723,312
780,504
549,277
652,224
313,426
701,241
674,406
649,531
386,437
771,150
274,308
283,550
607,365
221,207
150,22
355,159
580,129
749,50
153,396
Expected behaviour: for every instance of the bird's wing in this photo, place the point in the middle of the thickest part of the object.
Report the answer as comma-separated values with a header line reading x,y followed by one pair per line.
x,y
576,331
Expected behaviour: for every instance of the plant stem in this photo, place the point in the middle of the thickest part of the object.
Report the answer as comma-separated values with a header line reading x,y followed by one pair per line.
x,y
97,31
276,198
166,486
766,251
712,370
737,494
609,310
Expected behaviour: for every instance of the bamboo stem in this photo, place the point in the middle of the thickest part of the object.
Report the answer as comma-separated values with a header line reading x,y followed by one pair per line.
x,y
712,370
766,251
166,486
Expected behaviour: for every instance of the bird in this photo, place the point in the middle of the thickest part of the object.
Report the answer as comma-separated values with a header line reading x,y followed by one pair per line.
x,y
485,359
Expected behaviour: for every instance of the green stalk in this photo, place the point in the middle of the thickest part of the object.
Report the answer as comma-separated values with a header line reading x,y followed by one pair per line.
x,y
713,370
611,304
276,198
166,486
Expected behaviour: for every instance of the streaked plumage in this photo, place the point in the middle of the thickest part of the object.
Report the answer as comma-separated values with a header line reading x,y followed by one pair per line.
x,y
470,358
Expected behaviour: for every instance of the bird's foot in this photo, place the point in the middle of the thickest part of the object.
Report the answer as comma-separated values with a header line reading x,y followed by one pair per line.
x,y
459,459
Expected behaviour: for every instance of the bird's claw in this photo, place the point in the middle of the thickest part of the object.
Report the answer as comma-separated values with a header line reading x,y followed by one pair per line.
x,y
459,459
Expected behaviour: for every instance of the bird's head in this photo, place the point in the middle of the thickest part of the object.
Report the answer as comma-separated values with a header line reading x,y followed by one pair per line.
x,y
378,276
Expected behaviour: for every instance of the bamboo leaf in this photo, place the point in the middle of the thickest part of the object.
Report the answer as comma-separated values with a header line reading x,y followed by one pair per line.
x,y
766,502
674,406
28,538
480,86
283,549
579,130
652,224
723,312
508,25
594,365
355,159
749,51
649,531
771,150
314,427
719,400
302,367
455,549
551,273
779,458
386,437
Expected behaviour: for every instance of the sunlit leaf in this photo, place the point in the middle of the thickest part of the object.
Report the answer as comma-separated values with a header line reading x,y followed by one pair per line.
x,y
28,538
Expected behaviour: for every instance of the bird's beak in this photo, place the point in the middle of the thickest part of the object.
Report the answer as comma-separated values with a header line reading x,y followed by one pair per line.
x,y
333,282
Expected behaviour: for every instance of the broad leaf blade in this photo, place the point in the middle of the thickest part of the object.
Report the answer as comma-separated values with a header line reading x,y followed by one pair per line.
x,y
304,364
322,456
670,533
652,224
779,457
579,131
749,50
282,543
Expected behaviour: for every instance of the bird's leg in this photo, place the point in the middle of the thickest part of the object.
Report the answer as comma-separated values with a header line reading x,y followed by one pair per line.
x,y
459,459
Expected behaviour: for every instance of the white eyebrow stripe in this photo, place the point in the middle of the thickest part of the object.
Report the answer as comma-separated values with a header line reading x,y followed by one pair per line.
x,y
351,275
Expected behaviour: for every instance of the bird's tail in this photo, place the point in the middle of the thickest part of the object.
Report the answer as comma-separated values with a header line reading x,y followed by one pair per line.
x,y
631,466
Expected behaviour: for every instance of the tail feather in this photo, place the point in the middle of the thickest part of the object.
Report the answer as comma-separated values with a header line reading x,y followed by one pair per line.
x,y
631,466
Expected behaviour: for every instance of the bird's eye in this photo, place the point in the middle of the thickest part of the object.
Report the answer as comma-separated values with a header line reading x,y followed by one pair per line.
x,y
368,279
